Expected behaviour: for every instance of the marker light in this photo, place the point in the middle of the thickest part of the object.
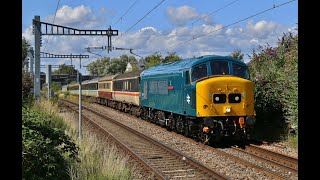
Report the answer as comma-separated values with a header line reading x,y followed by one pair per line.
x,y
205,129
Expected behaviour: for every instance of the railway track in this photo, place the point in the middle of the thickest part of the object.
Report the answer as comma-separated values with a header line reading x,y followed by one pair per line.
x,y
249,164
164,162
281,160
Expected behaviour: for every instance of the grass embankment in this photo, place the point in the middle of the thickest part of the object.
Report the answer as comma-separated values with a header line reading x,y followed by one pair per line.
x,y
75,98
291,140
97,160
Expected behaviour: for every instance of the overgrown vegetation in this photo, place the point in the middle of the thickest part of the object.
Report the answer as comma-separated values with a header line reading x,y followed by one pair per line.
x,y
26,88
275,72
25,47
49,150
46,151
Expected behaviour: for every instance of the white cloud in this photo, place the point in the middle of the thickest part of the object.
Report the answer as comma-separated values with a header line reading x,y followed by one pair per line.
x,y
262,28
28,35
254,40
149,40
79,16
181,15
152,29
220,42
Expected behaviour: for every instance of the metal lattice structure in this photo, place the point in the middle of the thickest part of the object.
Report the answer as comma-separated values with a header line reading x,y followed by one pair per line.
x,y
43,28
48,55
55,66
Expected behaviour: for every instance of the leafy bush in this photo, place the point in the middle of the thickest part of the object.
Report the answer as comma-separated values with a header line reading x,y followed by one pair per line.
x,y
275,72
27,85
46,150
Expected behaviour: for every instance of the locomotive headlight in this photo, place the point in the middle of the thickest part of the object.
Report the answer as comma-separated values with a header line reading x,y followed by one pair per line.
x,y
228,109
234,98
217,98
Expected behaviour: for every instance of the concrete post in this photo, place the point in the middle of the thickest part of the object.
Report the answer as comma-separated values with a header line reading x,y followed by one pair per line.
x,y
48,80
37,34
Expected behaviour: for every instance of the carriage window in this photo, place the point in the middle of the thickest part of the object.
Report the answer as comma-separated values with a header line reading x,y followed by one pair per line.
x,y
240,71
199,71
219,68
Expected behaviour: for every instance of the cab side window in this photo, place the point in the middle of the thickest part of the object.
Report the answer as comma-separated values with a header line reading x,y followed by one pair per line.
x,y
199,72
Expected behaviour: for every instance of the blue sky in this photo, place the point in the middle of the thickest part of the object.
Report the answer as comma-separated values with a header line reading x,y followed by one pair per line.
x,y
169,24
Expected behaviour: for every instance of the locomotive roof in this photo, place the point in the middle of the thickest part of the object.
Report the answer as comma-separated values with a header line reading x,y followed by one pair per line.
x,y
186,63
108,77
128,75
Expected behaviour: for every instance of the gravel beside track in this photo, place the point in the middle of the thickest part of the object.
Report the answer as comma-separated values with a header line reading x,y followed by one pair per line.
x,y
199,152
276,169
284,150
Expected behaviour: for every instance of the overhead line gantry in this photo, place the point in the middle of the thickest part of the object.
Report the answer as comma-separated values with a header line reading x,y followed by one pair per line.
x,y
43,28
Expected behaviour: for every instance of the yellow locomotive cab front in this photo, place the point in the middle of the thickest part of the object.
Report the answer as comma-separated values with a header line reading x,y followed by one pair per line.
x,y
225,96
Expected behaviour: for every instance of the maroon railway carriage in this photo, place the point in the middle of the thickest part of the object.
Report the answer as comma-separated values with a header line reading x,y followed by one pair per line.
x,y
105,89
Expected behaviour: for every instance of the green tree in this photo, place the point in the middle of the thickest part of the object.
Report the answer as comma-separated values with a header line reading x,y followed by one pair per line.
x,y
105,66
99,67
156,59
237,55
65,69
171,57
27,84
132,60
275,73
25,47
153,60
117,66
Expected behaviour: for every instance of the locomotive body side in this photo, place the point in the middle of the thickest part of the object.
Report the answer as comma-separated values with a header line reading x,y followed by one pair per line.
x,y
165,91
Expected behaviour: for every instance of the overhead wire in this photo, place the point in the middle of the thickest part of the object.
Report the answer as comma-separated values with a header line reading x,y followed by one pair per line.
x,y
55,14
275,6
126,12
118,21
203,17
139,20
123,15
214,11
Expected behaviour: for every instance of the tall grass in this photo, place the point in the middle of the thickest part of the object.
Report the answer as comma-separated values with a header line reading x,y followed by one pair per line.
x,y
75,98
98,160
291,140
